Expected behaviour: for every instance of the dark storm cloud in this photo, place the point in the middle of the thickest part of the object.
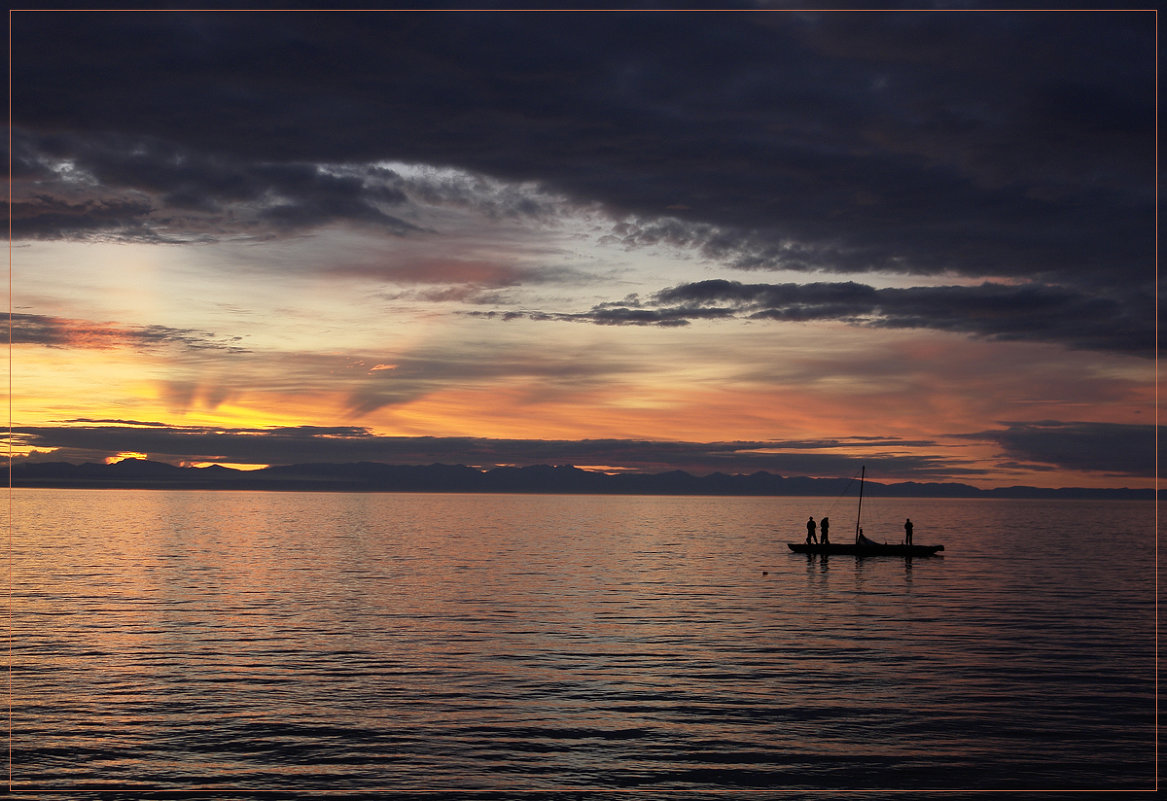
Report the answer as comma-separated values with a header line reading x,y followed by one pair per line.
x,y
167,192
987,144
1114,320
39,329
94,440
1121,450
47,217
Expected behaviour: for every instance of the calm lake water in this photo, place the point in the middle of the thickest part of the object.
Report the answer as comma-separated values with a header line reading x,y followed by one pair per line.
x,y
395,642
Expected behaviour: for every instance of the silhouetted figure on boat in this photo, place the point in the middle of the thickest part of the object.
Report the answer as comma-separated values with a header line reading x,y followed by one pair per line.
x,y
810,537
908,531
824,527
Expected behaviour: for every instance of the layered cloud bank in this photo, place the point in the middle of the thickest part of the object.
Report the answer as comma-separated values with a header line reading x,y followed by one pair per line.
x,y
1115,319
1121,451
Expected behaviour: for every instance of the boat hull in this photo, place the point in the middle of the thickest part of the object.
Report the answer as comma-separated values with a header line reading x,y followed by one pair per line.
x,y
878,549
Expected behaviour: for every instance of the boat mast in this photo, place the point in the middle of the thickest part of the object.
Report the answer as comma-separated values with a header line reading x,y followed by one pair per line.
x,y
859,515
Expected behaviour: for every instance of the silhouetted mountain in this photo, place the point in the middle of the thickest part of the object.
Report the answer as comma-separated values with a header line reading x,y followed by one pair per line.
x,y
564,479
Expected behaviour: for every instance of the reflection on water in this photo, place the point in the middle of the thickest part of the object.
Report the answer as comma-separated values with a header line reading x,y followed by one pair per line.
x,y
177,640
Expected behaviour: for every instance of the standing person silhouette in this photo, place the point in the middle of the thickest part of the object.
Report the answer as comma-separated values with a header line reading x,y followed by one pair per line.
x,y
810,538
824,526
908,531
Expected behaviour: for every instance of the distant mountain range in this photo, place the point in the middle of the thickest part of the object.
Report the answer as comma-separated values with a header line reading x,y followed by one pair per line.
x,y
376,477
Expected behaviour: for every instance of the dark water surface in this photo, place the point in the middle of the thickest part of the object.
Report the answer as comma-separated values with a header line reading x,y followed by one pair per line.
x,y
285,641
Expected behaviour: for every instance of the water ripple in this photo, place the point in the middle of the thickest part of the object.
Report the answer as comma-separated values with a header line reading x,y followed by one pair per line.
x,y
235,641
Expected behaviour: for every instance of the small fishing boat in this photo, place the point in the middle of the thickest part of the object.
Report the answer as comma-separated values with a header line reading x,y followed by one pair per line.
x,y
867,548
862,546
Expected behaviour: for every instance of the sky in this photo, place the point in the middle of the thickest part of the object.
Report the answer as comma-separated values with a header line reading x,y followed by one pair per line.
x,y
799,242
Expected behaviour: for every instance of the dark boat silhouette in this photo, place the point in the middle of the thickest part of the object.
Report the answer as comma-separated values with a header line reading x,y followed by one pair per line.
x,y
866,548
862,546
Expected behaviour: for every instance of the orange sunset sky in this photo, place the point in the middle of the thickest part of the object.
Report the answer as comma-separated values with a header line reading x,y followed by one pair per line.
x,y
924,242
